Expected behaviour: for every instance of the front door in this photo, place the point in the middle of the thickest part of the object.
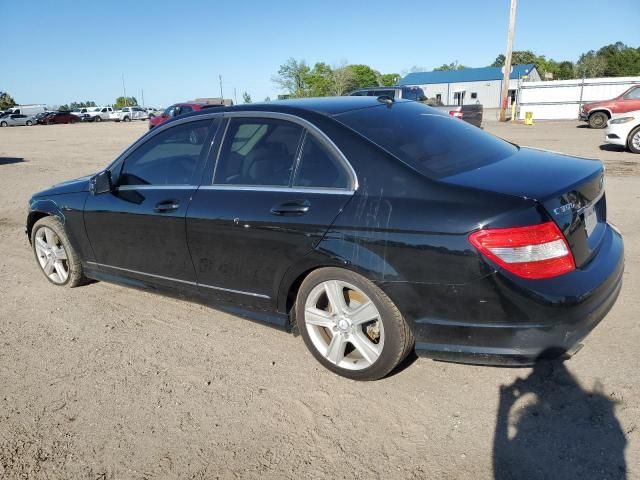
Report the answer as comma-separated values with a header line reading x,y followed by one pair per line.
x,y
276,189
630,101
138,230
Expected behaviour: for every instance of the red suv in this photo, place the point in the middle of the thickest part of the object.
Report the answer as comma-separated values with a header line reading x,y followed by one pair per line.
x,y
599,113
178,109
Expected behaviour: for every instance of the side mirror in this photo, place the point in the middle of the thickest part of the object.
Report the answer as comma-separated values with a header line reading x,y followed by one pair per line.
x,y
101,183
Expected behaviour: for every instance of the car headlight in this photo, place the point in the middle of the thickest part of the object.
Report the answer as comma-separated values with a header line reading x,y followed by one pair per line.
x,y
616,121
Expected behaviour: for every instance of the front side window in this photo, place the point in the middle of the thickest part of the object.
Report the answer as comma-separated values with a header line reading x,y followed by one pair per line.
x,y
170,111
258,151
168,158
319,167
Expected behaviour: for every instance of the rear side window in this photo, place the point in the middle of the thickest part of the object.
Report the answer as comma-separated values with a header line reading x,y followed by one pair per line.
x,y
185,109
258,151
437,145
168,158
319,168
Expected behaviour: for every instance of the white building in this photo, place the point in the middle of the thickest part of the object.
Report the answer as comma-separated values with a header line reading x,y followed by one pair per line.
x,y
471,85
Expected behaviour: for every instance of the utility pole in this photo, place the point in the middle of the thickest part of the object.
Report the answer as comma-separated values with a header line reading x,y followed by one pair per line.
x,y
124,91
507,63
142,94
235,96
221,96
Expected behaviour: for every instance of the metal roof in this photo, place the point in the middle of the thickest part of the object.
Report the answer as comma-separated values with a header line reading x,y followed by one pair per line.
x,y
465,75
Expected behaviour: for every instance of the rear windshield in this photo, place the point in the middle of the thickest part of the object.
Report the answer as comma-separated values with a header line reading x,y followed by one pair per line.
x,y
436,144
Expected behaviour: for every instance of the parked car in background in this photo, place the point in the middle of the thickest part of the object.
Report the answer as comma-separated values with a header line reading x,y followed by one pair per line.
x,y
374,228
471,113
152,112
41,116
80,111
29,110
14,120
598,113
179,109
98,114
126,114
624,130
59,117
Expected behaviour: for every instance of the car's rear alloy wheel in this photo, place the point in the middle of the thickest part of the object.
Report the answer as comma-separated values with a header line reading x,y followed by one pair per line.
x,y
634,141
598,120
29,123
55,255
350,325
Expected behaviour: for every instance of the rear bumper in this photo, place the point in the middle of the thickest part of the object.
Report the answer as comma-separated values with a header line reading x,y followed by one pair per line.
x,y
496,321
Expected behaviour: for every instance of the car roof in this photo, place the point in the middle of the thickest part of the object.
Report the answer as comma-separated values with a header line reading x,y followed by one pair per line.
x,y
328,106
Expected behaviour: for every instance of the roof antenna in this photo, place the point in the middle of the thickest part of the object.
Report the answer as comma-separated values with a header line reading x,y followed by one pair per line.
x,y
386,99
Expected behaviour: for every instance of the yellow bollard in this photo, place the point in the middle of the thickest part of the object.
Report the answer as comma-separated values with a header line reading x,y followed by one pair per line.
x,y
528,118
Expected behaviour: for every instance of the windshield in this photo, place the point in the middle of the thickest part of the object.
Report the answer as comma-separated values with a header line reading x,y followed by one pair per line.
x,y
435,144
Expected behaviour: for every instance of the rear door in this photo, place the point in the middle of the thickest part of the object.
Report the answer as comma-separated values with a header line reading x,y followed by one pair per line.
x,y
138,230
277,186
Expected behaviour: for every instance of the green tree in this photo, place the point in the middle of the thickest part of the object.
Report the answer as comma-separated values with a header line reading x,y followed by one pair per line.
x,y
125,102
449,66
388,79
518,57
246,98
292,78
590,65
320,80
363,76
64,108
6,101
342,79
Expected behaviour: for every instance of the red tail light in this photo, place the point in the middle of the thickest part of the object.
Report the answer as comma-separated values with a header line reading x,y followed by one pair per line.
x,y
534,252
455,113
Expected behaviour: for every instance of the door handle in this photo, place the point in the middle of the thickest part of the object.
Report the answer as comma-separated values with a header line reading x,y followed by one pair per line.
x,y
167,206
298,207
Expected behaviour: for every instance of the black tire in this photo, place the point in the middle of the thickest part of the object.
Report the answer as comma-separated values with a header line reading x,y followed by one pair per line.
x,y
29,123
126,119
598,120
3,124
398,339
97,118
76,276
632,147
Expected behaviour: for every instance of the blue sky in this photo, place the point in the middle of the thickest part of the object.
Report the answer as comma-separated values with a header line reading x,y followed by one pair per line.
x,y
59,51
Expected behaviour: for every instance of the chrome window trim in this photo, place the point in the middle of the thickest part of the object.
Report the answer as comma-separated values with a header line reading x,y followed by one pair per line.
x,y
124,188
275,188
310,128
187,282
283,189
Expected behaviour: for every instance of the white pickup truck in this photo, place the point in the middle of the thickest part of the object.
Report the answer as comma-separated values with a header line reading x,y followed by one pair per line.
x,y
98,114
126,114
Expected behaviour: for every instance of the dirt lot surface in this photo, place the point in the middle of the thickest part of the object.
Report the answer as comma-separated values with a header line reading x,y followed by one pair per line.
x,y
104,382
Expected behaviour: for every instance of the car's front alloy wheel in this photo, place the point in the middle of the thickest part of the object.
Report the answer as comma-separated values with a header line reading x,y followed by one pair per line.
x,y
634,141
350,325
55,255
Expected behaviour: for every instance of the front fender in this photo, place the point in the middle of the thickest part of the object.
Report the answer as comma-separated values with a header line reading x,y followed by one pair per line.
x,y
39,208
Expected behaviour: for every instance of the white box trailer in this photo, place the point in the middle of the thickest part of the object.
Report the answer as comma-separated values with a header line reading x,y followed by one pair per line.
x,y
562,99
27,109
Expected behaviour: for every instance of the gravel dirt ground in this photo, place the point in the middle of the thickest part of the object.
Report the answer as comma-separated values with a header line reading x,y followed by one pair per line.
x,y
105,382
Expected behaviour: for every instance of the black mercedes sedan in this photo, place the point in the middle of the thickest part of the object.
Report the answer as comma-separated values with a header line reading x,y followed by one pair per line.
x,y
370,226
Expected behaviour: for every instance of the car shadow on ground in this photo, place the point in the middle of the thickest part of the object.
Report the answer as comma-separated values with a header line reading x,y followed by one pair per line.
x,y
10,160
548,426
607,147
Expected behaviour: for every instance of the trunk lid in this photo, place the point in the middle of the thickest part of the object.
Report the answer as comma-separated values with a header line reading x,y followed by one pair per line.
x,y
570,189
